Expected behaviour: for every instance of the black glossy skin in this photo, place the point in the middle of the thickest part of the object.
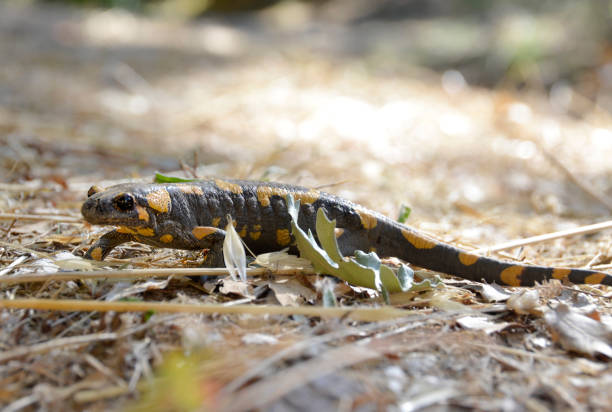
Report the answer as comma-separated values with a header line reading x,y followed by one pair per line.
x,y
260,207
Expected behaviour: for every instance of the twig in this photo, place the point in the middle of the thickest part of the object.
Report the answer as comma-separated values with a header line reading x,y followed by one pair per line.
x,y
367,314
549,236
51,218
91,395
141,273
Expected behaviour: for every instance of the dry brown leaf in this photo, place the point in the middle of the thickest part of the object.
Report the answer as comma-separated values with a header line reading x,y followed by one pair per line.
x,y
63,239
31,228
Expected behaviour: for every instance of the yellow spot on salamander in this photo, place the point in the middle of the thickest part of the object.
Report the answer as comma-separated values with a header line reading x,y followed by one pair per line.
x,y
96,254
256,232
560,273
167,238
159,200
595,278
283,238
143,231
243,231
201,232
418,240
338,232
468,259
216,221
368,220
191,189
232,187
142,213
512,276
264,193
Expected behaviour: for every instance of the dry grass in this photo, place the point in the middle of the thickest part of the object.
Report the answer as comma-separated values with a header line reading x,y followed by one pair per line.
x,y
90,97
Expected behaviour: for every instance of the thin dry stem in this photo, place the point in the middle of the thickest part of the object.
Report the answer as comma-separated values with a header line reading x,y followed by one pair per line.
x,y
597,227
141,273
369,314
50,218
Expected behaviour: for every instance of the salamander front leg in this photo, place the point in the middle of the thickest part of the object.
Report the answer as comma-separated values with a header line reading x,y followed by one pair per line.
x,y
106,243
211,238
214,257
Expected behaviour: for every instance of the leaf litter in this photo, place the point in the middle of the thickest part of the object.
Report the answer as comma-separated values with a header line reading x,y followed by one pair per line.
x,y
285,335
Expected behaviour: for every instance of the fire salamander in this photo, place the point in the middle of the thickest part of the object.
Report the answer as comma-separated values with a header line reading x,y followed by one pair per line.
x,y
192,216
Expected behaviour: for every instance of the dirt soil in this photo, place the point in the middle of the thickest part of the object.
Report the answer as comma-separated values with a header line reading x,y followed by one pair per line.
x,y
89,97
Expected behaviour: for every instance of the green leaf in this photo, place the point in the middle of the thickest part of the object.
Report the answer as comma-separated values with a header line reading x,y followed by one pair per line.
x,y
327,293
147,315
365,269
159,178
404,213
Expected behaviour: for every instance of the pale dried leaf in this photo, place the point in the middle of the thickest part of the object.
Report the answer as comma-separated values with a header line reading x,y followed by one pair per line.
x,y
237,288
44,265
31,228
68,261
259,339
491,293
526,302
442,301
481,323
13,264
122,290
282,261
326,286
290,292
578,333
233,253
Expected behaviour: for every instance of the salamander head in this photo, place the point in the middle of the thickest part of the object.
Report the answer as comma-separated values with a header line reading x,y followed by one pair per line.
x,y
131,205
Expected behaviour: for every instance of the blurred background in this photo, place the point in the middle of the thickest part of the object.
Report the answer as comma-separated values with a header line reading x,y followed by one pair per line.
x,y
488,120
442,105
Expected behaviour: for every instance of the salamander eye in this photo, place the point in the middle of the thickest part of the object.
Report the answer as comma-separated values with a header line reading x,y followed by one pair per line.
x,y
93,190
123,202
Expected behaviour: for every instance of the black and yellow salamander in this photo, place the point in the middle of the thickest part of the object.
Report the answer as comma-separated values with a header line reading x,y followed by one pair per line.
x,y
192,216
